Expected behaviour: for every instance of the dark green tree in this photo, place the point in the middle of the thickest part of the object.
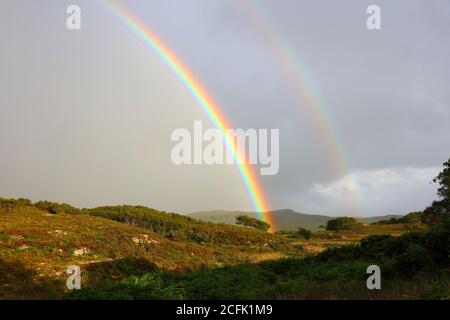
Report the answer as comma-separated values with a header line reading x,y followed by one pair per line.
x,y
439,210
56,208
342,223
303,233
252,222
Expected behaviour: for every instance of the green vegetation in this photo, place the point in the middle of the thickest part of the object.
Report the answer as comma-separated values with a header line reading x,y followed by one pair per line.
x,y
440,210
38,242
183,228
410,218
9,204
342,223
252,222
303,233
134,252
283,220
300,233
57,208
405,261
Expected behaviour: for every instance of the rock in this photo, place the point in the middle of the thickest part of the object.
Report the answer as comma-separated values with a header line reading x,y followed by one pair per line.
x,y
59,232
80,252
145,239
23,247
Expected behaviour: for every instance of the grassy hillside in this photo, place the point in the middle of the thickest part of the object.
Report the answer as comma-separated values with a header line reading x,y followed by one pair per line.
x,y
284,219
37,246
183,228
415,265
134,252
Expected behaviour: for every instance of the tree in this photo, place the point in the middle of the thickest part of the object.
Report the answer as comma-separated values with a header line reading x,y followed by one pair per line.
x,y
303,233
9,204
342,223
252,222
443,179
56,208
439,210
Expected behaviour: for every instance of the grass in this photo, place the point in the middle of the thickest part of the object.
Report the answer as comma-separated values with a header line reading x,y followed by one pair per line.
x,y
414,266
133,252
39,246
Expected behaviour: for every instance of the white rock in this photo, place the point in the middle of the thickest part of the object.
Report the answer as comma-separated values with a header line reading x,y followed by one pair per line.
x,y
81,251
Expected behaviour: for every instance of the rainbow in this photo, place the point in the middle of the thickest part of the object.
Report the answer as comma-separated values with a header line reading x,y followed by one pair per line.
x,y
306,93
203,99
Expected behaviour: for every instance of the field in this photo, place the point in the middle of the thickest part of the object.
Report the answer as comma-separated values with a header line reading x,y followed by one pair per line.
x,y
36,247
129,252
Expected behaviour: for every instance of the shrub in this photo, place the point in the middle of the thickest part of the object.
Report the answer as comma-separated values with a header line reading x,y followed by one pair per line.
x,y
8,204
182,228
407,256
57,208
303,233
414,259
252,222
342,223
151,286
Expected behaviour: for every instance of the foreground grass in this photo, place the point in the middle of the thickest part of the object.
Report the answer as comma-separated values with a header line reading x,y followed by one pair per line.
x,y
138,253
283,279
414,266
36,248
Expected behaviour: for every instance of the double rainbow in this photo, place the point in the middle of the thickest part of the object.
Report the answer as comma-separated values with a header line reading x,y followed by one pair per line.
x,y
203,99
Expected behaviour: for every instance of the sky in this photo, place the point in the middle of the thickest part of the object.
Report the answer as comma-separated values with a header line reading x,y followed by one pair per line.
x,y
86,115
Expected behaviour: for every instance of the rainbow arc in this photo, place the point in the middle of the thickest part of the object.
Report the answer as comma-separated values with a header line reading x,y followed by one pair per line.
x,y
204,100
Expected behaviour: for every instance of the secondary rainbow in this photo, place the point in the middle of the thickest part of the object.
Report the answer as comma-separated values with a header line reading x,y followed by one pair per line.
x,y
306,93
203,99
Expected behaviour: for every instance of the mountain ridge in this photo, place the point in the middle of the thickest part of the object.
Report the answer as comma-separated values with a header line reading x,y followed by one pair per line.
x,y
285,219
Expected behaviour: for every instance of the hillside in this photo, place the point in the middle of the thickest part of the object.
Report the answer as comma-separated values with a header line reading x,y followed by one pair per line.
x,y
36,246
415,265
135,252
285,219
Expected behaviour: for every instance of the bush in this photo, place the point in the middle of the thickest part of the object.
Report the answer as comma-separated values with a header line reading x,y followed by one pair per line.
x,y
57,208
414,259
252,222
8,204
151,286
303,233
410,218
182,228
406,257
300,233
342,223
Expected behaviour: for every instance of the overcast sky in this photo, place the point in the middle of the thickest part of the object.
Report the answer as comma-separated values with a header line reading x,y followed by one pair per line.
x,y
86,116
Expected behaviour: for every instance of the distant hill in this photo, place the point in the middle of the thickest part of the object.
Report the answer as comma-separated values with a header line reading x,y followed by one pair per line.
x,y
285,219
378,218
